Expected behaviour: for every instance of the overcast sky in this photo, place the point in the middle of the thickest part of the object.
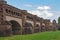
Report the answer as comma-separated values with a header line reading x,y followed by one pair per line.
x,y
48,9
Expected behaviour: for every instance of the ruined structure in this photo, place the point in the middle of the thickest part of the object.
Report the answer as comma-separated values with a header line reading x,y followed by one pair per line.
x,y
17,21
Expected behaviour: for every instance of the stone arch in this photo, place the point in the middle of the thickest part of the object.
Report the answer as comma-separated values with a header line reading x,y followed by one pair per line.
x,y
43,27
28,28
28,24
37,29
37,25
16,27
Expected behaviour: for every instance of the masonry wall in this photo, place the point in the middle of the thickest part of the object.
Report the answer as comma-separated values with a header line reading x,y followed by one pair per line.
x,y
28,23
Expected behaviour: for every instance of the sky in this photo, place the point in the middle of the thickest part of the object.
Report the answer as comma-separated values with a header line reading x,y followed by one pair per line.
x,y
47,9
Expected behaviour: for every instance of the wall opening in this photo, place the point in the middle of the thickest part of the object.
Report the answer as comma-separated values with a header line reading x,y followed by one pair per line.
x,y
37,30
16,27
28,27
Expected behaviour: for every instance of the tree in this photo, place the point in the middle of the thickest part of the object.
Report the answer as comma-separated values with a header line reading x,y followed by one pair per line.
x,y
59,20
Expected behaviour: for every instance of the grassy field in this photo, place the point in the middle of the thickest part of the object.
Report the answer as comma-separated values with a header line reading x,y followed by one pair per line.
x,y
54,35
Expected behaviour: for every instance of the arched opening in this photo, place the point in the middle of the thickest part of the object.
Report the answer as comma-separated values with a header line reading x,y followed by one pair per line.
x,y
37,30
43,28
16,28
28,24
37,25
28,31
28,27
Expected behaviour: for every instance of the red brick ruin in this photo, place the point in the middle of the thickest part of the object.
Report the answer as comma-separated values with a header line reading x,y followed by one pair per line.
x,y
17,21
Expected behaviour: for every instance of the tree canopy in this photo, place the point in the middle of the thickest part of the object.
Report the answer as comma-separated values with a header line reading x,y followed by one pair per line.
x,y
59,20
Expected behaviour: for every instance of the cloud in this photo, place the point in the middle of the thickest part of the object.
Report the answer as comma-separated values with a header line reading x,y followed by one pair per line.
x,y
47,8
43,8
42,11
35,12
48,14
40,8
28,5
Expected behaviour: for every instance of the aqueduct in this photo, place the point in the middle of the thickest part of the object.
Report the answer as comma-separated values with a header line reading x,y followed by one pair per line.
x,y
17,21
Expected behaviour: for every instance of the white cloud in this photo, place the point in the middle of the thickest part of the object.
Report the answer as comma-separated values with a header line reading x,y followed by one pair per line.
x,y
40,8
28,5
36,12
42,11
43,8
48,14
47,8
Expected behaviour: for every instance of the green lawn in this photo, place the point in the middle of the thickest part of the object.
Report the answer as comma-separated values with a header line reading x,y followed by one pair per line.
x,y
54,35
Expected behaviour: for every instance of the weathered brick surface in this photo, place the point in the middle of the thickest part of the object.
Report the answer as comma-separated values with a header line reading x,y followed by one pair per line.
x,y
19,19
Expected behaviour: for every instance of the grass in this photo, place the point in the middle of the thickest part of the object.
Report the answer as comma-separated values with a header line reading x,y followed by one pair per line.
x,y
53,35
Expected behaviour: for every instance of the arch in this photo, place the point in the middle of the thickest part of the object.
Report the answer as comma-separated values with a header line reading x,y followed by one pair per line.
x,y
28,27
16,27
37,25
28,24
37,30
43,27
28,31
